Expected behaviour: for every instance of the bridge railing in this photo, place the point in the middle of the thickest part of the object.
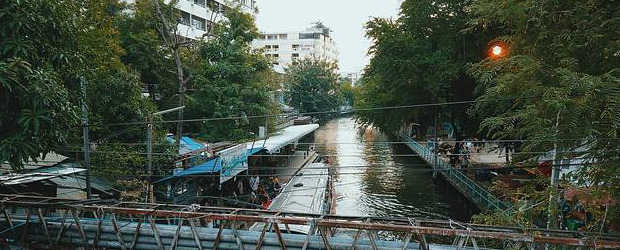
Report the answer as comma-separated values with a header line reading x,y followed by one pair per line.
x,y
482,197
51,223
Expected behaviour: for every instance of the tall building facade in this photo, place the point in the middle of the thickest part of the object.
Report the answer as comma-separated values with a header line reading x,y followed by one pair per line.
x,y
198,15
284,48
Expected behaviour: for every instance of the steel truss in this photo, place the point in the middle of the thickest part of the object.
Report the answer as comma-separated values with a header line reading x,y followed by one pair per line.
x,y
46,222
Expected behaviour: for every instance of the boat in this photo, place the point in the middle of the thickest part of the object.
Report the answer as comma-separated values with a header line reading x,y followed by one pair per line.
x,y
308,192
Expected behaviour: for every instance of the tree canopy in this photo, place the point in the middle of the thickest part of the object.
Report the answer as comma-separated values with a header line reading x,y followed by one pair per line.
x,y
313,86
560,84
230,81
419,58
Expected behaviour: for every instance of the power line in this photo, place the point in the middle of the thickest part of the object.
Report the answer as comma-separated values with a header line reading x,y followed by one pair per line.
x,y
322,112
396,142
367,155
423,168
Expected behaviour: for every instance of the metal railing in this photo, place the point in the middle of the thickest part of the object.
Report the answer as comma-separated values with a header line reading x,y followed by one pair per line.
x,y
480,196
50,223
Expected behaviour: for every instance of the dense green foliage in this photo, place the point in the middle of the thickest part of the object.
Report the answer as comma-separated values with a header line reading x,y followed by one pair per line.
x,y
145,54
46,48
38,53
230,81
419,58
561,82
313,86
557,87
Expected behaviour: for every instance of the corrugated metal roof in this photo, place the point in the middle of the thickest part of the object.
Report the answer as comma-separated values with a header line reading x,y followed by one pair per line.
x,y
50,159
39,175
307,197
309,194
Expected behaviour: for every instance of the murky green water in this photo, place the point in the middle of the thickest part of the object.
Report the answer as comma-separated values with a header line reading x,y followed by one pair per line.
x,y
374,177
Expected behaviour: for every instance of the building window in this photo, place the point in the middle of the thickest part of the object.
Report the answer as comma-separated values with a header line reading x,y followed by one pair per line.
x,y
261,37
272,37
200,2
295,46
295,55
309,35
185,18
215,6
275,55
199,23
275,47
283,36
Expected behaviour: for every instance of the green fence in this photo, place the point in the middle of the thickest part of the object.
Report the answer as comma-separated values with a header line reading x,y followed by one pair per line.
x,y
480,196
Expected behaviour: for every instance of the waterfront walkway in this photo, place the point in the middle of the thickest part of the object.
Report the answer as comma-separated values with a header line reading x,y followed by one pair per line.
x,y
469,188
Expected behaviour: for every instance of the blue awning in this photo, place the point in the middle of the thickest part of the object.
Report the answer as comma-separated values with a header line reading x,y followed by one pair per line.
x,y
187,145
209,167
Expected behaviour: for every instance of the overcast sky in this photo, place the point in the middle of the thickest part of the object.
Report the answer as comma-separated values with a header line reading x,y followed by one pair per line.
x,y
345,17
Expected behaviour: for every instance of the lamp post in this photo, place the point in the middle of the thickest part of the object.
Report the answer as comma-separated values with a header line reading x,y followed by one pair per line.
x,y
149,150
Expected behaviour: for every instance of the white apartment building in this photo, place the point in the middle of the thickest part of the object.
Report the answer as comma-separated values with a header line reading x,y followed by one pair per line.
x,y
284,48
198,15
353,77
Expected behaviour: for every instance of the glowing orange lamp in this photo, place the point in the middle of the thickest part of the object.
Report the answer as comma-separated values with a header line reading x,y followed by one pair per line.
x,y
498,50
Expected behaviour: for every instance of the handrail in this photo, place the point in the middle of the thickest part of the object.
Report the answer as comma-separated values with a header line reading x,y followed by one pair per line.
x,y
458,179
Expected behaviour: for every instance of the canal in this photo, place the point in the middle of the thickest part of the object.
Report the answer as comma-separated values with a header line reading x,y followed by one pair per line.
x,y
376,177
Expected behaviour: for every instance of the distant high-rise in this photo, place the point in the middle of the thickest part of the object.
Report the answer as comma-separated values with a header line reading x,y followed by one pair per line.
x,y
284,48
352,77
196,16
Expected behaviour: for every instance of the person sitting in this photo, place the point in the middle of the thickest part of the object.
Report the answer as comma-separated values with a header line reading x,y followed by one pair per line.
x,y
263,198
271,189
276,186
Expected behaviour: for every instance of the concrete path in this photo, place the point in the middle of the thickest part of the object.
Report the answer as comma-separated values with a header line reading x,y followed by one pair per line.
x,y
489,155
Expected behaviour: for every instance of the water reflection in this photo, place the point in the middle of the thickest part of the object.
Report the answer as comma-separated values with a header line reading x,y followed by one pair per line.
x,y
371,181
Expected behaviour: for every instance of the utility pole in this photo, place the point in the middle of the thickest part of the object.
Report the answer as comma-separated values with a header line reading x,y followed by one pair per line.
x,y
436,146
85,132
552,222
150,194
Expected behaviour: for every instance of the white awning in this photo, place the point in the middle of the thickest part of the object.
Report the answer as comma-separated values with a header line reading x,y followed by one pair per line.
x,y
284,137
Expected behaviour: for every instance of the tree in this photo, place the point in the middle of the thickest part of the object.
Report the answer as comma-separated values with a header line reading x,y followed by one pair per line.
x,y
168,28
313,87
559,87
230,82
38,53
144,53
114,95
420,58
348,92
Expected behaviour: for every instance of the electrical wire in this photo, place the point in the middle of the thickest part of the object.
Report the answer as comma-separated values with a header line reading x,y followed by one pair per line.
x,y
550,140
421,169
322,112
366,155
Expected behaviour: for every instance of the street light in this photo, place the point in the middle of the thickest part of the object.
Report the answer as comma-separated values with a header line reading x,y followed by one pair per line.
x,y
498,50
150,195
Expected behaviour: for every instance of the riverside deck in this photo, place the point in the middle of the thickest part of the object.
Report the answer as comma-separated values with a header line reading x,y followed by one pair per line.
x,y
470,189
